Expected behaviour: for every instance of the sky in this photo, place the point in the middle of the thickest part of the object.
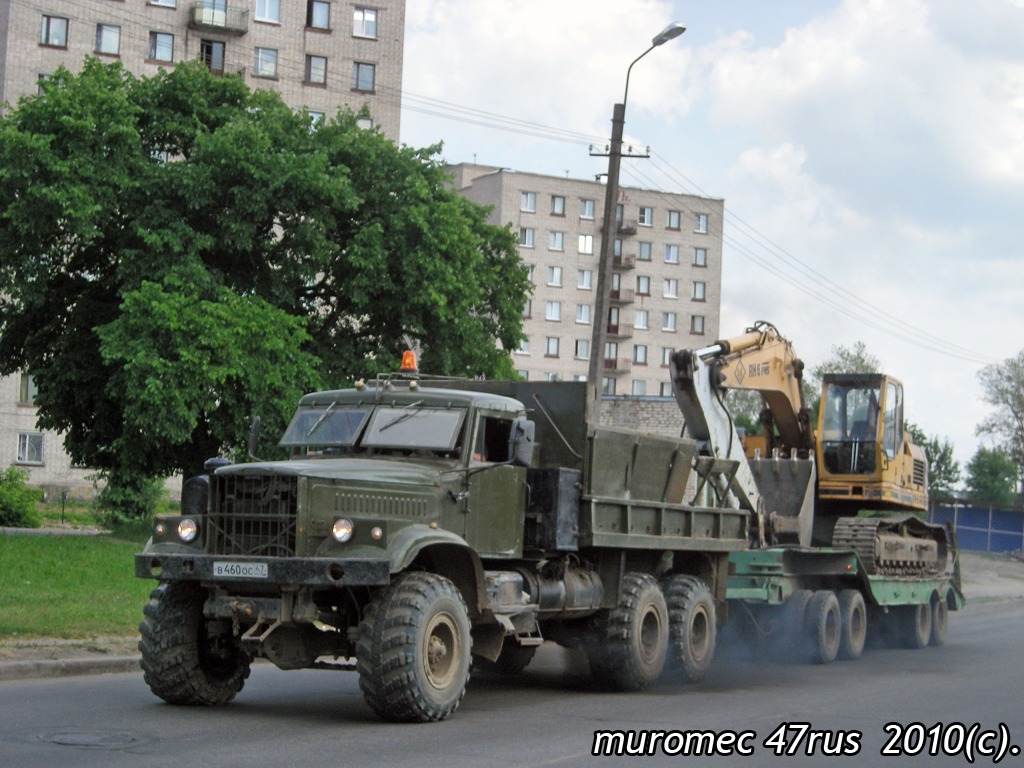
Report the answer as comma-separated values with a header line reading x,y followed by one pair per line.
x,y
870,154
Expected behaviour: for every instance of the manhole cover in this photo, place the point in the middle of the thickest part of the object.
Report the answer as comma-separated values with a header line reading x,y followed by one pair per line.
x,y
91,739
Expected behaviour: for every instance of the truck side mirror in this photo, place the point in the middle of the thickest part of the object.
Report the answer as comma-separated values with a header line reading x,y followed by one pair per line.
x,y
521,442
254,438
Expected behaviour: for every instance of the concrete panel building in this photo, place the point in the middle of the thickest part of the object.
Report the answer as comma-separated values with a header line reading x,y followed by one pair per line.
x,y
665,286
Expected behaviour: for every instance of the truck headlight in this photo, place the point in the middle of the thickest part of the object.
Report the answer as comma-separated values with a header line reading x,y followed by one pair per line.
x,y
188,529
342,530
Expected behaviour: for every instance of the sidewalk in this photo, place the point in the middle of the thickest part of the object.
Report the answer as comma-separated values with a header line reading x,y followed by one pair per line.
x,y
986,578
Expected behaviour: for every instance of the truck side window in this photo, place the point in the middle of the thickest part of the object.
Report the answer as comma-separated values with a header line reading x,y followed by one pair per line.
x,y
492,438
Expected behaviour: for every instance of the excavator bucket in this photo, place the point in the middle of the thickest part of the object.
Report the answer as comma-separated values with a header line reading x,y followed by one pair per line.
x,y
787,490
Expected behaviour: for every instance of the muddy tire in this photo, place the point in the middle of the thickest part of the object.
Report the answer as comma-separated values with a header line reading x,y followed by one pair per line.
x,y
940,621
914,624
413,652
692,626
853,616
187,659
629,651
822,625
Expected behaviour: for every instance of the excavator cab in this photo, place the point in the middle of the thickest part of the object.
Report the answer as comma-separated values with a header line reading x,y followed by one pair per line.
x,y
864,453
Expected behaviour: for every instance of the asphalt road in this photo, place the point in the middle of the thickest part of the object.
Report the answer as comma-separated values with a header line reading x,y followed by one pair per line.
x,y
548,715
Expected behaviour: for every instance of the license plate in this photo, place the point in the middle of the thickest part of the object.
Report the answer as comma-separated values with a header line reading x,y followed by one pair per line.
x,y
240,570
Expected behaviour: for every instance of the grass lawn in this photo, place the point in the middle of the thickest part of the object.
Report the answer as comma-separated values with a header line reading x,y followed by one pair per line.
x,y
69,587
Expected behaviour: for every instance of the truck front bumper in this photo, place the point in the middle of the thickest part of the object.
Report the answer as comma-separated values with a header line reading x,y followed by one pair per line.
x,y
270,571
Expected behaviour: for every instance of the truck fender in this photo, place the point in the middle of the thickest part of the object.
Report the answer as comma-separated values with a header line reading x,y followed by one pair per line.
x,y
441,552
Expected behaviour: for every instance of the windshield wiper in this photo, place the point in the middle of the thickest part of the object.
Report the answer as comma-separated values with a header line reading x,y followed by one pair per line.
x,y
323,416
405,414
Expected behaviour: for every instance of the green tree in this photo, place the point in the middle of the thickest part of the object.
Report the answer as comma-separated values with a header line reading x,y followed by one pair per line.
x,y
943,469
992,476
178,253
1003,388
855,359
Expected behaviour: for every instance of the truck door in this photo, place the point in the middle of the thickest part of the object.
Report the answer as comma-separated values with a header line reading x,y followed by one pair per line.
x,y
496,504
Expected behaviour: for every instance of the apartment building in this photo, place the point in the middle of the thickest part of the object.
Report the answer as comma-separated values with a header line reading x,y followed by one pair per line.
x,y
665,285
320,55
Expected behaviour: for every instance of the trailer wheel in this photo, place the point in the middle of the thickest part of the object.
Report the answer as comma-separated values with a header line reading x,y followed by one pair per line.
x,y
413,651
853,617
187,659
823,626
940,621
692,625
630,650
914,624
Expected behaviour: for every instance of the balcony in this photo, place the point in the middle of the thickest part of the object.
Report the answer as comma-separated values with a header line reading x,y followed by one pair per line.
x,y
617,366
214,17
620,331
624,261
626,226
622,295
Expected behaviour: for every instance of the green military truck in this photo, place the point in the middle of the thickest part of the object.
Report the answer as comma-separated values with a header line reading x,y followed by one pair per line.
x,y
419,525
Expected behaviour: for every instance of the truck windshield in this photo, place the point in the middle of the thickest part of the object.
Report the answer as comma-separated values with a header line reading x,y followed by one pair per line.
x,y
327,425
413,427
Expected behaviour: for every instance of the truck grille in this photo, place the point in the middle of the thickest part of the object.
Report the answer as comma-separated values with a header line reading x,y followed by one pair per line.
x,y
252,515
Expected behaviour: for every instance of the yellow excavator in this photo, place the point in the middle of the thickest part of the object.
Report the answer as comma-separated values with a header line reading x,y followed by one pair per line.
x,y
866,488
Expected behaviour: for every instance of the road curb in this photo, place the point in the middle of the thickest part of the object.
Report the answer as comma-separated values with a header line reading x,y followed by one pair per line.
x,y
44,668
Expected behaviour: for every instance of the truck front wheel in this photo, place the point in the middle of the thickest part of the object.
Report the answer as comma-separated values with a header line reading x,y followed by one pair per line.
x,y
187,659
692,625
630,649
414,646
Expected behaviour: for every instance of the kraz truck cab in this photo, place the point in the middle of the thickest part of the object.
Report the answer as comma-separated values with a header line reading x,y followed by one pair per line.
x,y
418,524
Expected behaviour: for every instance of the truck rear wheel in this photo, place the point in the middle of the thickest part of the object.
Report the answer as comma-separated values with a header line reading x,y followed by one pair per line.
x,y
914,623
853,616
414,646
823,626
187,659
629,653
940,621
692,625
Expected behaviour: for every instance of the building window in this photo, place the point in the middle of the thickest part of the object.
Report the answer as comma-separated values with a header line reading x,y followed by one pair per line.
x,y
524,375
666,356
583,349
640,354
697,324
27,391
555,276
264,62
643,285
526,237
553,311
315,118
700,257
640,319
671,288
364,23
529,272
524,346
557,205
611,350
54,32
550,376
316,70
212,54
666,389
673,220
528,308
108,39
671,254
701,223
165,3
318,14
30,448
700,291
586,244
556,241
528,202
608,386
617,248
584,279
551,346
586,209
161,46
583,314
363,75
646,216
643,251
668,321
639,387
268,10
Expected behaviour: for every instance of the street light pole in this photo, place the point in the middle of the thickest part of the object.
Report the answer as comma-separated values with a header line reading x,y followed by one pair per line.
x,y
599,336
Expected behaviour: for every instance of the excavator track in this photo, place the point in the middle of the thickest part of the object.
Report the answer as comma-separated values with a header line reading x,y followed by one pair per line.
x,y
900,545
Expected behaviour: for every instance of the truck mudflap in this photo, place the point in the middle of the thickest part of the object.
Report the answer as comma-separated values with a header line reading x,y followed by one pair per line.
x,y
308,571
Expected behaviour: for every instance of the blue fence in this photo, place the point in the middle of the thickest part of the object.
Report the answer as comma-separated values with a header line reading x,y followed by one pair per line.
x,y
981,527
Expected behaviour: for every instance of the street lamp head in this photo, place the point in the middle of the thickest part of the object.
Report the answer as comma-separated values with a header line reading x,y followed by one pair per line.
x,y
672,31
